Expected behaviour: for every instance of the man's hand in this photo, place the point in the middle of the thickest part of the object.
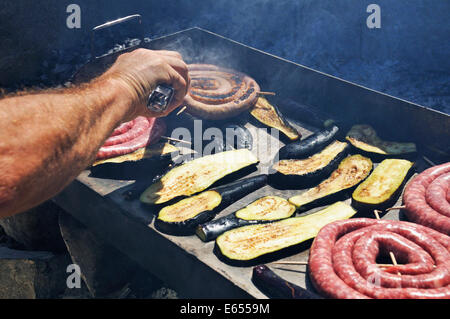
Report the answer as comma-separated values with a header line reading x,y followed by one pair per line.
x,y
47,138
140,71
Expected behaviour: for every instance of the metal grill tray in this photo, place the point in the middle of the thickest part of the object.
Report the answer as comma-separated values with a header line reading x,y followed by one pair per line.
x,y
189,265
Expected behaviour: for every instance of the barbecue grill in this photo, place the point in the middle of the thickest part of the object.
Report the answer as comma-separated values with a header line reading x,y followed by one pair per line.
x,y
186,263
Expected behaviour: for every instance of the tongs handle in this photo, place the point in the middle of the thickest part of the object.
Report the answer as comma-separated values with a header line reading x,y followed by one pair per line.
x,y
118,21
113,23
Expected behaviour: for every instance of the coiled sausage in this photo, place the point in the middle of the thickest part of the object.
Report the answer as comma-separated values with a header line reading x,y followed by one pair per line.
x,y
142,133
122,128
438,194
343,260
140,124
218,93
426,198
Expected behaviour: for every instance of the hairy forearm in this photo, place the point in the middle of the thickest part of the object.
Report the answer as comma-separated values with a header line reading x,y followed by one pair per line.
x,y
48,138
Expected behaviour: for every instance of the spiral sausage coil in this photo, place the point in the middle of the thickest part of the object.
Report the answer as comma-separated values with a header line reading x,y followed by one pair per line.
x,y
343,260
217,93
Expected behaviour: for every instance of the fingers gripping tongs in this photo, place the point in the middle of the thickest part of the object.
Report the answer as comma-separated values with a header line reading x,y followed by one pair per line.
x,y
159,99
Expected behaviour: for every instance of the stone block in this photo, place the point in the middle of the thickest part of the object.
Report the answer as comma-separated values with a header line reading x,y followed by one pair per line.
x,y
32,274
36,229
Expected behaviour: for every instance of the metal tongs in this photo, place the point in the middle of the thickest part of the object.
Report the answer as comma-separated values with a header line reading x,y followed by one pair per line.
x,y
161,96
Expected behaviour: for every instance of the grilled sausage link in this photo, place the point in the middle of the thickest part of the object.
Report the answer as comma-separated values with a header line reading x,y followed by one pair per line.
x,y
217,93
438,194
140,124
426,198
144,132
342,261
122,128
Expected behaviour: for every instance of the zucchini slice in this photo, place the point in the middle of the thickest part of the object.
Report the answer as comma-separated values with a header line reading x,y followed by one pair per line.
x,y
365,138
197,175
310,145
182,217
269,115
382,187
267,208
350,172
298,173
263,210
254,244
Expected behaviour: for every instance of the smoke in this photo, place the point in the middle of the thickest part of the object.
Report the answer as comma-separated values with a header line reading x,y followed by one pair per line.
x,y
332,37
193,52
406,58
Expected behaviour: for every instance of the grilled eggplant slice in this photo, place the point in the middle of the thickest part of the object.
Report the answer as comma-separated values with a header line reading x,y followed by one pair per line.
x,y
255,244
306,114
301,173
142,162
157,150
197,175
382,188
310,145
365,139
269,115
182,217
350,172
263,210
276,287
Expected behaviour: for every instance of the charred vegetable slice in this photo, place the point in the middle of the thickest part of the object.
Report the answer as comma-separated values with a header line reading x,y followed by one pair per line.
x,y
276,287
365,138
156,150
310,145
196,175
304,113
269,115
350,172
265,209
182,217
252,244
381,188
147,161
302,172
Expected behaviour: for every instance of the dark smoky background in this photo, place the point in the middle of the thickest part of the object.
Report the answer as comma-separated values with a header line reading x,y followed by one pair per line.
x,y
408,57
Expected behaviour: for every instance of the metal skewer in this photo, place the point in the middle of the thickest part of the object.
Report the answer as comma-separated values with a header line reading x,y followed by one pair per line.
x,y
176,140
428,161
